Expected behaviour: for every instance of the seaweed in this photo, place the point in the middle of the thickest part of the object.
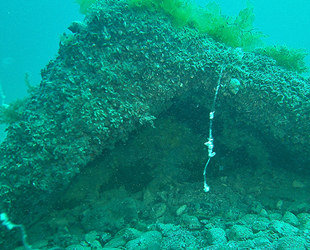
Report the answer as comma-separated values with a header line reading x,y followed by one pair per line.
x,y
233,31
288,58
11,113
84,5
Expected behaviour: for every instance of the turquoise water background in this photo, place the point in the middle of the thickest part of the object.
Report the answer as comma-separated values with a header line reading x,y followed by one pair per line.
x,y
30,32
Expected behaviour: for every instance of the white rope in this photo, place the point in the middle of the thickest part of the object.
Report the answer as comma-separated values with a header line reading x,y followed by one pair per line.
x,y
209,143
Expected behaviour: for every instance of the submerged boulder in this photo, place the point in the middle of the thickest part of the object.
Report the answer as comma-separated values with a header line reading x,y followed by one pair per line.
x,y
120,70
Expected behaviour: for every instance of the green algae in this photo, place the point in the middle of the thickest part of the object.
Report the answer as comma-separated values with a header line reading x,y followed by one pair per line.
x,y
12,112
288,58
84,5
234,31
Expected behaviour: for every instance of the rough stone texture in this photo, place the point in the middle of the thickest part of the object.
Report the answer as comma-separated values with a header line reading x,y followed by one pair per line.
x,y
261,241
304,219
148,240
216,236
240,233
123,68
190,222
282,228
290,218
111,217
288,243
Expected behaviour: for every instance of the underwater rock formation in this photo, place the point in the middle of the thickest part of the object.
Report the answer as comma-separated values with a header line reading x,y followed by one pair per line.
x,y
120,70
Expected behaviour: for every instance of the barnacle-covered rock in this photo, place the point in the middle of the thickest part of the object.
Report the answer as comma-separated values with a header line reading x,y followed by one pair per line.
x,y
119,71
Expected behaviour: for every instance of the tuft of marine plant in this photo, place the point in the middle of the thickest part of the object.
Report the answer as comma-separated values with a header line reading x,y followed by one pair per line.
x,y
288,58
84,5
233,31
11,113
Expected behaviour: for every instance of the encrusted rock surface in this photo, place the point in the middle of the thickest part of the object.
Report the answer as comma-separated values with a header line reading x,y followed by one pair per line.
x,y
120,70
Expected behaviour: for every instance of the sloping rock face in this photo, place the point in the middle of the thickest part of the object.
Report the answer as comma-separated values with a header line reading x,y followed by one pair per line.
x,y
119,70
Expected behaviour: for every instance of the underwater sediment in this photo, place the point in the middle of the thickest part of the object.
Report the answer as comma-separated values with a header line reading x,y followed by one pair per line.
x,y
118,71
